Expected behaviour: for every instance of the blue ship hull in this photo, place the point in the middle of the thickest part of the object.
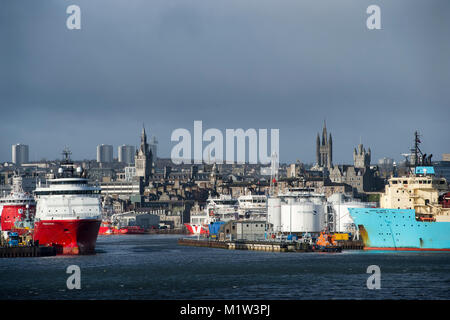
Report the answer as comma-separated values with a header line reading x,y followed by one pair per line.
x,y
397,229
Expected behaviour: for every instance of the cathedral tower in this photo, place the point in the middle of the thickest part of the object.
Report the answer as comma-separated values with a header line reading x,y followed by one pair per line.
x,y
324,149
143,159
361,158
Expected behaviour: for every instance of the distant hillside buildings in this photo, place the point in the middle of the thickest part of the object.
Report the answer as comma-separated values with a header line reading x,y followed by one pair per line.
x,y
127,153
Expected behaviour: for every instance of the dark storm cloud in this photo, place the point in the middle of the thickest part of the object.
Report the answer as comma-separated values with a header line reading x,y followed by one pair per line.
x,y
251,64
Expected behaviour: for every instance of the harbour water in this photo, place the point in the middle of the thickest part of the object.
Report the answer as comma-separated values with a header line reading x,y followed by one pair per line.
x,y
155,267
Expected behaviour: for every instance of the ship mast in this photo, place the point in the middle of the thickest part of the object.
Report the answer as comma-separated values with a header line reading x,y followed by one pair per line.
x,y
66,155
273,173
66,169
418,157
416,150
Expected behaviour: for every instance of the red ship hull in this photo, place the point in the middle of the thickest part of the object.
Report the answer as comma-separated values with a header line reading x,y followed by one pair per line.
x,y
196,229
105,231
68,236
15,213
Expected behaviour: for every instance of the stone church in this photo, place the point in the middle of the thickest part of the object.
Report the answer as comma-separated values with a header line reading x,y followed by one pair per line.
x,y
324,149
143,159
360,176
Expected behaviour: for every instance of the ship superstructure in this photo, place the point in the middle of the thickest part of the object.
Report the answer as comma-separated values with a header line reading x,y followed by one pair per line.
x,y
253,206
68,213
220,208
419,192
17,209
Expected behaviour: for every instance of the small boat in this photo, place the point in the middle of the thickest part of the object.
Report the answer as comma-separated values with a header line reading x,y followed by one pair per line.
x,y
326,243
106,228
132,230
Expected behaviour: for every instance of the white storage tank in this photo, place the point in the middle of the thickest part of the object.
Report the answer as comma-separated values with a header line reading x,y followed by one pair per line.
x,y
340,204
302,215
274,213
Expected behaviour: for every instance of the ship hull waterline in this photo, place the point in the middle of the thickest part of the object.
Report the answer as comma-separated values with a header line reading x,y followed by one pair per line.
x,y
70,237
398,229
197,229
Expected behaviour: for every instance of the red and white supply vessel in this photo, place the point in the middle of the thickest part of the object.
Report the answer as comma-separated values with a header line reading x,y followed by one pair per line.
x,y
17,209
221,208
68,211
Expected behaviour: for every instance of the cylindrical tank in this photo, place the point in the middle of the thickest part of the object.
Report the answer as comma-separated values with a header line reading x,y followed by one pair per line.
x,y
302,215
344,220
340,204
274,213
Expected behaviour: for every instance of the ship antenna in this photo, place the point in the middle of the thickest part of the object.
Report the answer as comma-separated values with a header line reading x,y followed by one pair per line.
x,y
66,154
416,150
273,173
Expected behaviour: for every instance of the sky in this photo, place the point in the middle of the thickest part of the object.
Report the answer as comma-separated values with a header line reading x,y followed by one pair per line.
x,y
263,64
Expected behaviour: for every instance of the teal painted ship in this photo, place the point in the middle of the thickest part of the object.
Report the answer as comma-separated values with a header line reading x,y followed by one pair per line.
x,y
398,229
414,211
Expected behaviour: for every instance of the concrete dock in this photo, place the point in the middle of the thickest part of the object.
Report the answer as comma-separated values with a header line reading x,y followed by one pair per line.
x,y
268,246
351,244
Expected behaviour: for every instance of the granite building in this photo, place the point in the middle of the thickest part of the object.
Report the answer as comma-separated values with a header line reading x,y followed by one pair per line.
x,y
360,176
361,158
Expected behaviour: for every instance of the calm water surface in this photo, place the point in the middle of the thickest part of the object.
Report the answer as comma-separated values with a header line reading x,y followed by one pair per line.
x,y
155,267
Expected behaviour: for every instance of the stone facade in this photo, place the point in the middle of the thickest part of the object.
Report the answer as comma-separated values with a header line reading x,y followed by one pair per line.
x,y
361,179
361,158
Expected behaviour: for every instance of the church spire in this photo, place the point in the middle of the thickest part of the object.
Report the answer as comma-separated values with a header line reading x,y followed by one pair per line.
x,y
143,135
324,134
143,158
324,148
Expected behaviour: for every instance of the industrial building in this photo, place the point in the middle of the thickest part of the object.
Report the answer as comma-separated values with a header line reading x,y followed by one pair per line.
x,y
251,230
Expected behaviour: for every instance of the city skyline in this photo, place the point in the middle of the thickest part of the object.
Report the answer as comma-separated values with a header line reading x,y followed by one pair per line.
x,y
92,155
